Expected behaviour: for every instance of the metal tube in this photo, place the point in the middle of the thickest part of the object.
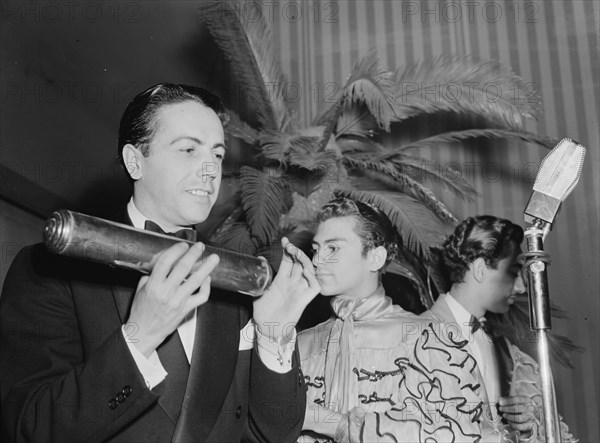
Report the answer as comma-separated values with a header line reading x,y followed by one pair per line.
x,y
539,304
539,308
548,398
118,245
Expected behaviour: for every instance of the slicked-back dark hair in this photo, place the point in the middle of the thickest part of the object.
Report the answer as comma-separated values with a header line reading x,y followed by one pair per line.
x,y
485,236
139,122
372,225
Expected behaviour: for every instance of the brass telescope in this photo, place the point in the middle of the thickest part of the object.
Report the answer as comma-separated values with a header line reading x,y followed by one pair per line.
x,y
91,238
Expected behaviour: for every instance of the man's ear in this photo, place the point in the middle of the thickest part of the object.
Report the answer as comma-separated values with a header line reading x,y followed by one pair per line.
x,y
479,269
131,159
377,257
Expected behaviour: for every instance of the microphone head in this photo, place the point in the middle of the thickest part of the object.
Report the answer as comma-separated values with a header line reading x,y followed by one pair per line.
x,y
557,176
560,170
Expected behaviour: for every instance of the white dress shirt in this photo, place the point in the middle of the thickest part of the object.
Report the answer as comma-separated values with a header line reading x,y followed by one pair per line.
x,y
483,351
275,356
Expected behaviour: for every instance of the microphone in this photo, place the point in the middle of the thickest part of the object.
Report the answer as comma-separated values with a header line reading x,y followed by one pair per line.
x,y
557,176
122,246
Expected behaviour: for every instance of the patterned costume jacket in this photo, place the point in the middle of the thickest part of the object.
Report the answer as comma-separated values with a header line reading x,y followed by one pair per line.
x,y
382,359
520,374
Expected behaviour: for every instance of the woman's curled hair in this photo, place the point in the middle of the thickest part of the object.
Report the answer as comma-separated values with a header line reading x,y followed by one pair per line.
x,y
485,236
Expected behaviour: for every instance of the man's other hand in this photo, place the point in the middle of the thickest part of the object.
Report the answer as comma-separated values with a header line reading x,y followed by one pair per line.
x,y
278,310
166,296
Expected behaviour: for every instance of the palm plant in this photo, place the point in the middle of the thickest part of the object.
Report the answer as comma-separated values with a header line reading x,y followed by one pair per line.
x,y
293,169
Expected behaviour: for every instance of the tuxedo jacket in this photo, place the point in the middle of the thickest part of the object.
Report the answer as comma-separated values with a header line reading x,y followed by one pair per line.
x,y
66,373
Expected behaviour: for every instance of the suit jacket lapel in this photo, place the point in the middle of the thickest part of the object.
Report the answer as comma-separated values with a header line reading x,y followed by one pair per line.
x,y
505,364
441,311
124,290
214,356
123,296
213,365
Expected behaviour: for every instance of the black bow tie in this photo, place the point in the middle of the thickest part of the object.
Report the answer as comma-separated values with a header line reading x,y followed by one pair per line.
x,y
476,324
184,234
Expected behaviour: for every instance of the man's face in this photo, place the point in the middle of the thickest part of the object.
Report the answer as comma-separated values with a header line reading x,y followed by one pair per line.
x,y
503,284
179,181
340,266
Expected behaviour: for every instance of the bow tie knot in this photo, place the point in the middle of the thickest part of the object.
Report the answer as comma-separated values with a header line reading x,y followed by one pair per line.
x,y
476,324
184,234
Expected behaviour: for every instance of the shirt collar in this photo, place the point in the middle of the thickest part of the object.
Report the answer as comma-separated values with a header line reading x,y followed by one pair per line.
x,y
137,218
461,315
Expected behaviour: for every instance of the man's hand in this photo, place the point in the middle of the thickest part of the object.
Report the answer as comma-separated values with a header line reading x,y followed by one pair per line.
x,y
521,412
168,294
278,310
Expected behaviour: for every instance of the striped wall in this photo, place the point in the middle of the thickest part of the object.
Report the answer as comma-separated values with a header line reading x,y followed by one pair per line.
x,y
551,44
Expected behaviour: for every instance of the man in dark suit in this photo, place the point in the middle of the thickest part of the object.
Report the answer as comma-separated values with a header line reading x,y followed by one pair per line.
x,y
91,353
481,260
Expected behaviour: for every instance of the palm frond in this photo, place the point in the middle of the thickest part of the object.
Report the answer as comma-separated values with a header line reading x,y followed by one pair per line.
x,y
424,170
246,42
262,200
305,150
407,271
358,144
557,311
329,120
416,190
309,157
298,149
274,145
515,327
373,86
562,347
415,223
237,237
438,273
493,134
416,168
386,172
367,84
460,85
355,120
231,219
222,217
328,114
240,129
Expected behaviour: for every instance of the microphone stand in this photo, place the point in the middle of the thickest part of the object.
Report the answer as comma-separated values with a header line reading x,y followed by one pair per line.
x,y
535,261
